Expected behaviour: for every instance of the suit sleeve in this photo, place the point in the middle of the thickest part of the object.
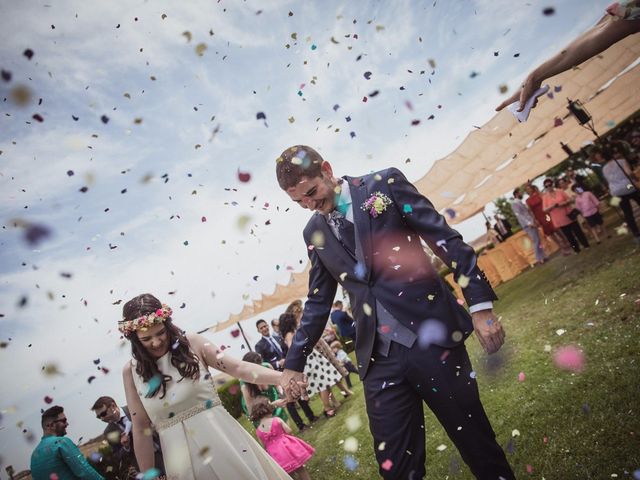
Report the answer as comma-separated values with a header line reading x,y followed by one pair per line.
x,y
75,460
420,215
322,290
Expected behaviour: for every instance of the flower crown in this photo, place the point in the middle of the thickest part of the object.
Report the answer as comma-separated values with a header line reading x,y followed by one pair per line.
x,y
145,321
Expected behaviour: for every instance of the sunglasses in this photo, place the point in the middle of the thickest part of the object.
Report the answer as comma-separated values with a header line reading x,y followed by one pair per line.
x,y
102,414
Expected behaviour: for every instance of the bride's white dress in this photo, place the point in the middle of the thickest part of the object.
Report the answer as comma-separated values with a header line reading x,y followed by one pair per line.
x,y
199,439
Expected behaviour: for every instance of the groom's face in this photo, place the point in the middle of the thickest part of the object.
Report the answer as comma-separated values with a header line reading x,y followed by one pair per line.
x,y
317,193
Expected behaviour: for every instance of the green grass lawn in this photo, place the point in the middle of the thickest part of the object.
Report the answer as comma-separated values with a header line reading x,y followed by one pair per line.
x,y
571,426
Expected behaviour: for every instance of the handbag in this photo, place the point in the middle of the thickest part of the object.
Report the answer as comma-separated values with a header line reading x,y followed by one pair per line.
x,y
573,214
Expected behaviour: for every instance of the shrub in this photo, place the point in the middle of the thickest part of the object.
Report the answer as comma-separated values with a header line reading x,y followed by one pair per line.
x,y
231,397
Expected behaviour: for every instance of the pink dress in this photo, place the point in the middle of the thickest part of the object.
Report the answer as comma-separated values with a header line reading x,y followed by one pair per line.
x,y
288,451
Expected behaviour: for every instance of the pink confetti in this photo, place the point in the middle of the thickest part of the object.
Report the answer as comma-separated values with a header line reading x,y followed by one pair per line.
x,y
529,469
569,358
386,465
244,177
521,377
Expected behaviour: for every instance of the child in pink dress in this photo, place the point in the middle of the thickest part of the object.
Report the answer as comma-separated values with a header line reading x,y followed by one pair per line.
x,y
290,452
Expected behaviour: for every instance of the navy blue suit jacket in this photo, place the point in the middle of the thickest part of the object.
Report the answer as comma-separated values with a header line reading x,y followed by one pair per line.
x,y
269,352
393,269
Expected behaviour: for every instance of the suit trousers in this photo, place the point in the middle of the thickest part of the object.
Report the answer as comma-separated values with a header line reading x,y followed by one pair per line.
x,y
396,386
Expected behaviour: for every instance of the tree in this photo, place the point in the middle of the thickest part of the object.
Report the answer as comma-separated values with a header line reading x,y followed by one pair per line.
x,y
504,208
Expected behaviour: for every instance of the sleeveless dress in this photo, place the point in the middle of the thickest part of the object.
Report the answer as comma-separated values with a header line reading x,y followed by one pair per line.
x,y
320,373
289,451
535,204
199,439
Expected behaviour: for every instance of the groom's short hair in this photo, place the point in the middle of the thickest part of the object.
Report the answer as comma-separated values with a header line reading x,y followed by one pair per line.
x,y
297,162
262,320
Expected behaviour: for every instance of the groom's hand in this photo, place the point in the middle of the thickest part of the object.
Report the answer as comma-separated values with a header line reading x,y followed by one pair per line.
x,y
294,384
488,330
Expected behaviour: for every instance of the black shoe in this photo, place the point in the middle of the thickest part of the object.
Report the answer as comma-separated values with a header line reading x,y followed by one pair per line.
x,y
314,418
303,427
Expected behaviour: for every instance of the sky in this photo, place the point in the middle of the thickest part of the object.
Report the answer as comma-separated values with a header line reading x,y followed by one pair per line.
x,y
143,149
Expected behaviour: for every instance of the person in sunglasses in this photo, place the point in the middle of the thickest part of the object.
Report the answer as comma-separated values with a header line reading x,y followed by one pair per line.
x,y
56,456
119,436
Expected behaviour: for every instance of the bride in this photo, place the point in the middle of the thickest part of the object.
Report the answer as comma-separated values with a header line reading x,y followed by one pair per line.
x,y
168,388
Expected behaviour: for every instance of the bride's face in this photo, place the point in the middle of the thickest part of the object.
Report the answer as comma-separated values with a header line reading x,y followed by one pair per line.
x,y
155,339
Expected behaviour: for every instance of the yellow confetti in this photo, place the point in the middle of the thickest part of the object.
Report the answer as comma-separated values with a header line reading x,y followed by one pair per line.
x,y
201,48
366,308
351,444
353,423
463,281
317,239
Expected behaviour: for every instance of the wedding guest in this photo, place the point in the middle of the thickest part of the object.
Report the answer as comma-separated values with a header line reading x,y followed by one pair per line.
x,y
118,434
528,223
503,227
251,391
556,203
342,357
289,451
275,326
168,387
622,19
492,234
623,184
269,346
56,456
343,321
588,204
534,202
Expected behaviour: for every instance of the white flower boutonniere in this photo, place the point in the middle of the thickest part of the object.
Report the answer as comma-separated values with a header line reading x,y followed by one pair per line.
x,y
376,204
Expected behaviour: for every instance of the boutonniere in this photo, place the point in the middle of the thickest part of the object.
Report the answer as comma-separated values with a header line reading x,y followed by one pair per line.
x,y
376,204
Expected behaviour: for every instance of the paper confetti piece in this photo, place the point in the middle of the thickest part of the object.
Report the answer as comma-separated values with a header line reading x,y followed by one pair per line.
x,y
386,465
569,358
441,448
431,332
521,377
350,444
353,422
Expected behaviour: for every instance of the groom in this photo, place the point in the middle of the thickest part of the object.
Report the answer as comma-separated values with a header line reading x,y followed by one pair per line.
x,y
365,235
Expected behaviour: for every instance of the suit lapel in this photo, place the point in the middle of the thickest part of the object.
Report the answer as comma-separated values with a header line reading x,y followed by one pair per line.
x,y
362,223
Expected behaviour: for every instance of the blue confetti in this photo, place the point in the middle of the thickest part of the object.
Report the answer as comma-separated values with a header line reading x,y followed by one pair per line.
x,y
406,208
150,474
359,270
350,462
154,385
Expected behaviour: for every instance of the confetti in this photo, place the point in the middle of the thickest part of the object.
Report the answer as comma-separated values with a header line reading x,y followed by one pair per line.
x,y
350,462
441,447
569,358
351,444
521,377
386,465
431,332
244,177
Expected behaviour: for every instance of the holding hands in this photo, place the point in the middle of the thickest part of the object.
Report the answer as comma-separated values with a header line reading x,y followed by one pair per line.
x,y
294,384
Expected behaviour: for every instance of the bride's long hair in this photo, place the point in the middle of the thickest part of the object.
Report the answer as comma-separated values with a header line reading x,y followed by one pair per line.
x,y
181,355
